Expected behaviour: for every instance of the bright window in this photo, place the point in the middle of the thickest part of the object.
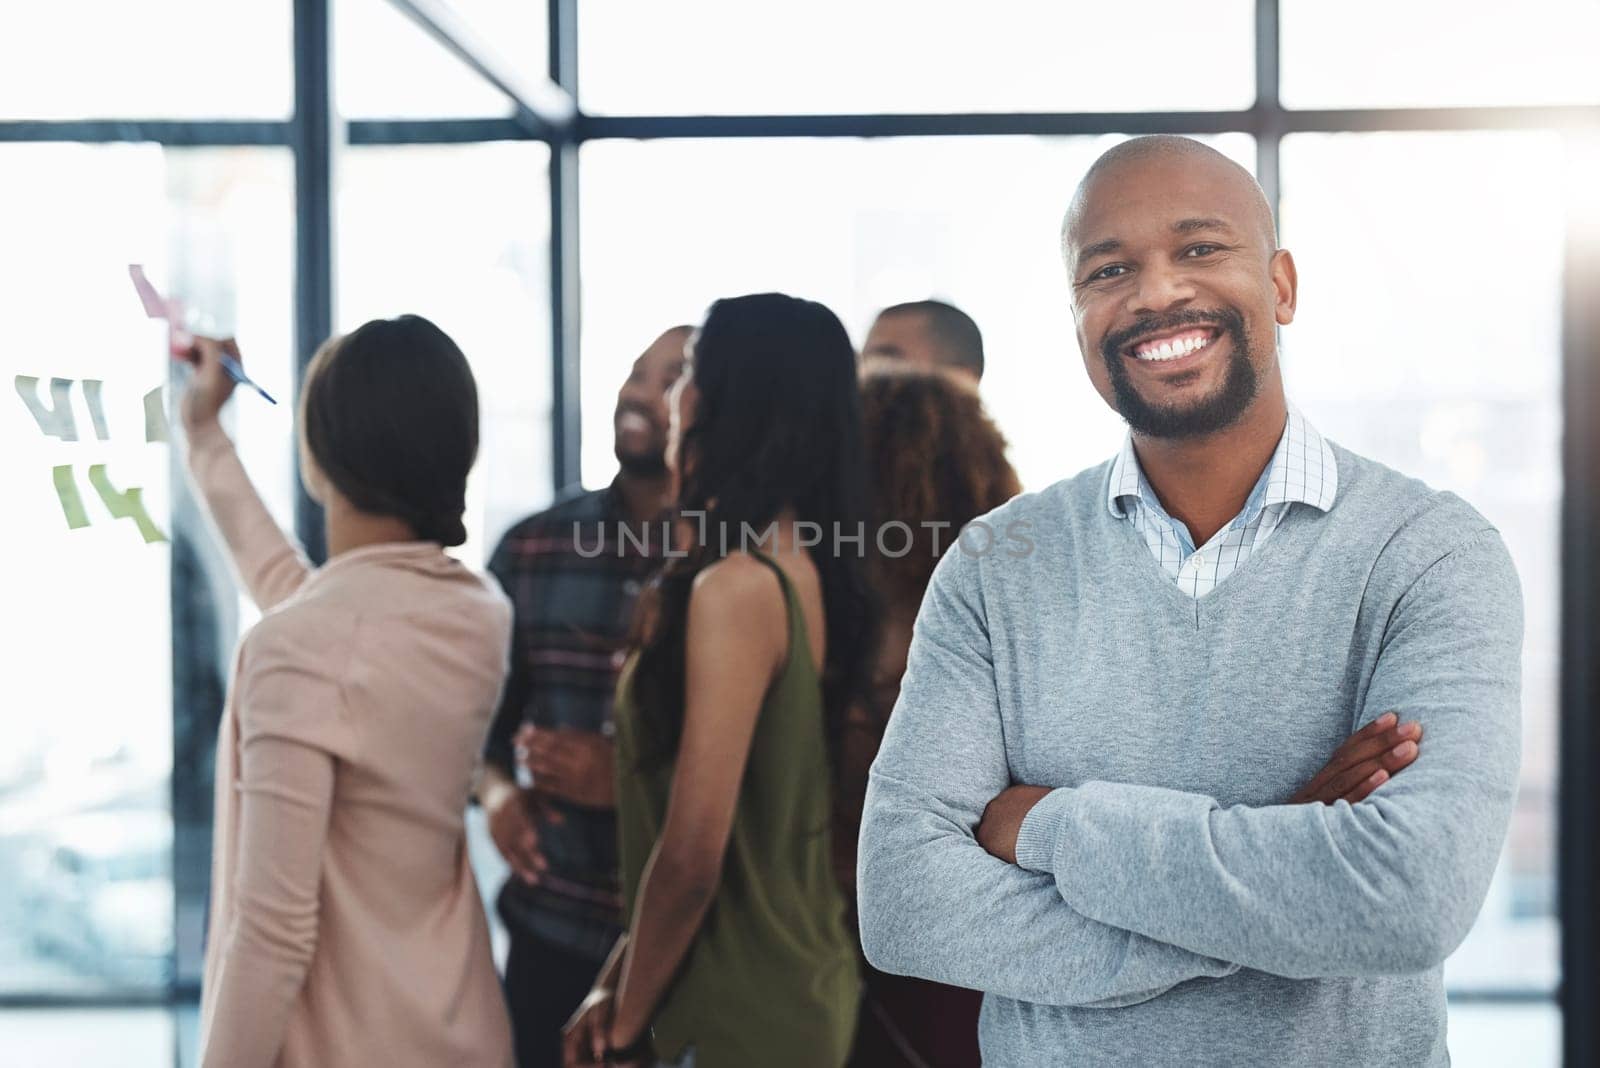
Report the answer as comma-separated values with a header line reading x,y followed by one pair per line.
x,y
87,869
858,225
712,57
1393,355
460,235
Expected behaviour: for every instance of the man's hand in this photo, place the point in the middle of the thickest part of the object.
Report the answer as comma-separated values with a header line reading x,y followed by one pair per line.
x,y
575,766
513,824
1002,819
1364,762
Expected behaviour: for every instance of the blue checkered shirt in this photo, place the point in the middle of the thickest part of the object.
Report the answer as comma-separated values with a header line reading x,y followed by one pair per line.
x,y
1302,471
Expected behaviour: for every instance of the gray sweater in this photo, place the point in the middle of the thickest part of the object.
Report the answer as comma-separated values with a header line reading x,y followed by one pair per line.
x,y
1168,906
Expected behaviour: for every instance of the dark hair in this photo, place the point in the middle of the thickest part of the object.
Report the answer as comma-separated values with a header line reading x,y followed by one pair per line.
x,y
390,413
954,334
777,424
936,457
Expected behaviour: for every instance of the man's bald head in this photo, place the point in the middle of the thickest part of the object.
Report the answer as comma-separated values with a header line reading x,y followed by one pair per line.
x,y
1178,287
929,333
1167,149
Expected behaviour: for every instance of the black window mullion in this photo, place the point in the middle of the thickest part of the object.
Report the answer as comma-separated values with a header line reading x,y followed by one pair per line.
x,y
566,428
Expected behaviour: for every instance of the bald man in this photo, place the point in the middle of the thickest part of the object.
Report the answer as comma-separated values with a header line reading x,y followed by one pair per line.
x,y
573,607
929,334
1218,773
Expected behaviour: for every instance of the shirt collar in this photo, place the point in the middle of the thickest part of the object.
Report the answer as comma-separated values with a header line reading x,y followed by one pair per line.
x,y
1303,469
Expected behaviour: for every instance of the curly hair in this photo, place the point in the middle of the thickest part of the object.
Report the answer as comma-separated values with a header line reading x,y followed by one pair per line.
x,y
936,457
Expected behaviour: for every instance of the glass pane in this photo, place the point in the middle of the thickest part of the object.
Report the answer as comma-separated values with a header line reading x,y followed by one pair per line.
x,y
1373,54
87,809
158,59
1493,1035
838,56
142,1037
460,234
1391,354
390,67
668,226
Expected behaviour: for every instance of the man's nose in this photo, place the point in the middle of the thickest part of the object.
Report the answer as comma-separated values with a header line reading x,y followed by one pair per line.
x,y
1161,288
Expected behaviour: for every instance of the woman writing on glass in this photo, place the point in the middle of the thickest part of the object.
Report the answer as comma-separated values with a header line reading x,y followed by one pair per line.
x,y
346,927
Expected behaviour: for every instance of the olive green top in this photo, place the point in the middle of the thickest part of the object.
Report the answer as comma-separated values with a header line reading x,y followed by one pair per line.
x,y
771,977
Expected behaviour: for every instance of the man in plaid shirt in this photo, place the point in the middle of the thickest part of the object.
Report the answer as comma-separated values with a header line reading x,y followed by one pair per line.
x,y
573,580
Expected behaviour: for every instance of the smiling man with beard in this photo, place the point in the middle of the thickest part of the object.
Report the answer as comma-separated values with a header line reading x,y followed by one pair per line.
x,y
1161,787
573,580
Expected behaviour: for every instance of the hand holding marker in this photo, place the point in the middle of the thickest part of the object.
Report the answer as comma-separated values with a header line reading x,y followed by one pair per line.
x,y
180,341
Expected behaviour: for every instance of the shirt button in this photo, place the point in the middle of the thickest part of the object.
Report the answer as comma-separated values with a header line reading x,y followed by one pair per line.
x,y
619,658
631,587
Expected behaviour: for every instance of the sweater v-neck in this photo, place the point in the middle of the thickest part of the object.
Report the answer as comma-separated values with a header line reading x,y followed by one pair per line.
x,y
1262,565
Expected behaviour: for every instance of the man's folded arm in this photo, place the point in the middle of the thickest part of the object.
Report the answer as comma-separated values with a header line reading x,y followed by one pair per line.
x,y
933,903
1390,885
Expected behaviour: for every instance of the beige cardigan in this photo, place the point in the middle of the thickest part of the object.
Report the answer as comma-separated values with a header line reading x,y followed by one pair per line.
x,y
346,927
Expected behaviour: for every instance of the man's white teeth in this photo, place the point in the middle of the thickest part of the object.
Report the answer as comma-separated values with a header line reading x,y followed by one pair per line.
x,y
1171,350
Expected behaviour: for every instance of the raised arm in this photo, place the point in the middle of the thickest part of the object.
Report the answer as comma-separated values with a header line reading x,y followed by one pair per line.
x,y
266,561
1387,886
933,903
291,732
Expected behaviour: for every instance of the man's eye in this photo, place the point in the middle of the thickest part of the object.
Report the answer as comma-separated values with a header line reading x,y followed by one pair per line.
x,y
1112,270
1201,250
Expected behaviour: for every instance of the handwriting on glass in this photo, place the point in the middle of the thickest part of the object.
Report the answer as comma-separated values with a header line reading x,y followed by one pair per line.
x,y
56,419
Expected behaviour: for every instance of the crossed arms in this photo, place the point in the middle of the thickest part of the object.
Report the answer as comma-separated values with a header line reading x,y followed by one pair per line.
x,y
1123,891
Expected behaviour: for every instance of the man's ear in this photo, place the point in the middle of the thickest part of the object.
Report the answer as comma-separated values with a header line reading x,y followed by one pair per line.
x,y
1285,286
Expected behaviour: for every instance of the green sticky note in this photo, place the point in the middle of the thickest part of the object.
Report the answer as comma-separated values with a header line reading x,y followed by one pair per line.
x,y
124,504
67,493
155,417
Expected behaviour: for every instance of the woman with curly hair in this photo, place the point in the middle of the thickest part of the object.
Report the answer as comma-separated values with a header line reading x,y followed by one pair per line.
x,y
937,462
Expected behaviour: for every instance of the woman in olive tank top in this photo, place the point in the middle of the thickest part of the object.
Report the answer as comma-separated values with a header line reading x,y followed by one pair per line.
x,y
752,646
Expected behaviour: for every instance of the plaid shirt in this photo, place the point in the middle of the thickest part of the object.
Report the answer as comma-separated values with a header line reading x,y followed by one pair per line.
x,y
573,613
1302,471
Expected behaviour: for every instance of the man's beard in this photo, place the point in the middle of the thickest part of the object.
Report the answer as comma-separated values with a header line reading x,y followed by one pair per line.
x,y
648,462
643,464
1213,413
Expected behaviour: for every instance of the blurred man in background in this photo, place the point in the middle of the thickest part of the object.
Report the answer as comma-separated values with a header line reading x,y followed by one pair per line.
x,y
930,334
557,827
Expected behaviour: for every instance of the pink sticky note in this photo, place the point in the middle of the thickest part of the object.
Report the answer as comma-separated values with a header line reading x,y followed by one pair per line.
x,y
154,306
180,342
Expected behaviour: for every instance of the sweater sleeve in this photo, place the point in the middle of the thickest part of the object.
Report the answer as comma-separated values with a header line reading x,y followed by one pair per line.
x,y
1390,885
266,561
292,733
933,903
